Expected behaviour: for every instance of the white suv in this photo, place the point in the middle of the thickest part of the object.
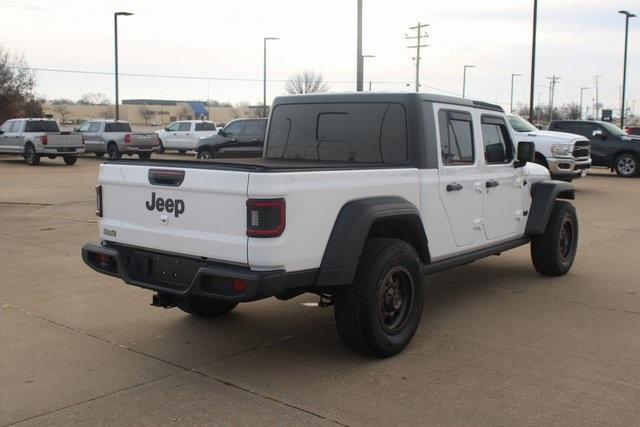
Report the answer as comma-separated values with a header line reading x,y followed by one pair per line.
x,y
184,135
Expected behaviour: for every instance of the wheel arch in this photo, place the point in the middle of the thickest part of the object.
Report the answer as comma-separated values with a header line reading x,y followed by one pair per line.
x,y
621,152
543,196
393,217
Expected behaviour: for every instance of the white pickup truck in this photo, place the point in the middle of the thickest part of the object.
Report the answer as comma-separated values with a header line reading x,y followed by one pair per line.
x,y
35,138
566,155
184,135
357,198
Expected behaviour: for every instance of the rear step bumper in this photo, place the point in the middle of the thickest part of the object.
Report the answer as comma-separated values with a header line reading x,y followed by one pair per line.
x,y
184,276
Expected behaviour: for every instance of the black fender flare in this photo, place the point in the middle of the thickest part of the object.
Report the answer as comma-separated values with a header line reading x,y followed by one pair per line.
x,y
350,232
543,197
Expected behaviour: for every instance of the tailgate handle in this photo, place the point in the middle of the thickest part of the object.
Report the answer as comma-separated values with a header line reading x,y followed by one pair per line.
x,y
167,177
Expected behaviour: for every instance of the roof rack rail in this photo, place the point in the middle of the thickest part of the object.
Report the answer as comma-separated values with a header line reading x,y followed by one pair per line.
x,y
488,106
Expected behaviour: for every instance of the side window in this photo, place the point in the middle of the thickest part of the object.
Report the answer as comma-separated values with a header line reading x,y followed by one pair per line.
x,y
184,127
200,126
174,127
587,129
235,128
498,148
205,126
84,127
254,127
94,127
456,138
16,126
6,126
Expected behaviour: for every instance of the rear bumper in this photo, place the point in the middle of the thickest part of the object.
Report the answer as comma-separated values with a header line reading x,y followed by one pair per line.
x,y
184,276
567,167
142,149
61,151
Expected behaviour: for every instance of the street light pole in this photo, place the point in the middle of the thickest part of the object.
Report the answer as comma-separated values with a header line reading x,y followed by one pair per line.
x,y
582,89
264,76
363,57
115,39
359,59
624,71
533,61
512,76
464,79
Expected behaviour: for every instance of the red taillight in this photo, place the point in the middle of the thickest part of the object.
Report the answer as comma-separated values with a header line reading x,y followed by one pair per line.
x,y
99,200
265,217
44,139
104,260
239,285
127,139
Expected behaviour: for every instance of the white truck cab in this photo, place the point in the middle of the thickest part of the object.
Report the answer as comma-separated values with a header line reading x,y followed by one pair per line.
x,y
357,198
566,155
184,135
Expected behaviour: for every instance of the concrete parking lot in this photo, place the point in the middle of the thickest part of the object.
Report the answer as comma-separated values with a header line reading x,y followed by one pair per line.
x,y
498,343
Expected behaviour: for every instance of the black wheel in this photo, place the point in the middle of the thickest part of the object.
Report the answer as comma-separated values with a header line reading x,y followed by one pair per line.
x,y
206,308
144,155
379,313
205,154
113,152
182,151
30,155
161,150
554,251
99,154
626,165
70,160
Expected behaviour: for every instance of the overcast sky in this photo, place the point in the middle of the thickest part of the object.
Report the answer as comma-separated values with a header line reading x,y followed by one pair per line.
x,y
577,39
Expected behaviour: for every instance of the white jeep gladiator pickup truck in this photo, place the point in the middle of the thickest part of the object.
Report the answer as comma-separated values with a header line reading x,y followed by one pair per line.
x,y
566,155
35,138
357,198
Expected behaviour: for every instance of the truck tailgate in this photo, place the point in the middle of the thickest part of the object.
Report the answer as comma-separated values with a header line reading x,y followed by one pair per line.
x,y
144,140
191,211
63,140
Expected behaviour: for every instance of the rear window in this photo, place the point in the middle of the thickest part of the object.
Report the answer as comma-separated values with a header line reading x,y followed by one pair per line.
x,y
205,126
352,132
117,127
41,126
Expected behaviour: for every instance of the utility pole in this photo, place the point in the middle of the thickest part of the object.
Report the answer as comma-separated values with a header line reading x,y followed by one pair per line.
x,y
359,59
552,91
596,107
512,76
419,35
624,71
115,42
582,89
533,61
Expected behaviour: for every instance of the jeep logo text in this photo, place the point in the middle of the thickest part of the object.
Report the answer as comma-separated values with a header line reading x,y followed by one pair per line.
x,y
175,206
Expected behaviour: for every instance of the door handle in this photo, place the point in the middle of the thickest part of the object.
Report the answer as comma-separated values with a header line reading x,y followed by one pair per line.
x,y
492,184
454,187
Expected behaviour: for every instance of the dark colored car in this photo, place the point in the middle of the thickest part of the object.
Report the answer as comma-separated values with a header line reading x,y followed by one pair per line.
x,y
239,138
611,147
633,130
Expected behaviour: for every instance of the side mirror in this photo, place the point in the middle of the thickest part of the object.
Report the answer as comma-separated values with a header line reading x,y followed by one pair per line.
x,y
599,134
76,129
221,132
167,128
1,132
526,153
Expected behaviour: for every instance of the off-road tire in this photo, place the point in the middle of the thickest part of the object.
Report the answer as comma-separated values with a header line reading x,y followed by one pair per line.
x,y
361,315
554,251
30,155
144,155
201,307
113,152
70,160
626,165
161,150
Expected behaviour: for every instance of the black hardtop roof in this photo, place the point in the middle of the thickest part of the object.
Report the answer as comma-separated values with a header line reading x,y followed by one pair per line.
x,y
400,97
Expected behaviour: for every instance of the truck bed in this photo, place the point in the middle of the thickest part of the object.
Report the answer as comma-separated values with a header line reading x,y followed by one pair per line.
x,y
258,164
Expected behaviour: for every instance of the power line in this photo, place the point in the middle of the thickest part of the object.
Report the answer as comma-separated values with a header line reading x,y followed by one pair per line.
x,y
418,29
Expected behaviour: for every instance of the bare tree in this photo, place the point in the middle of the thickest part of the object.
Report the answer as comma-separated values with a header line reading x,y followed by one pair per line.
x,y
94,98
61,110
571,111
17,81
306,81
146,113
184,113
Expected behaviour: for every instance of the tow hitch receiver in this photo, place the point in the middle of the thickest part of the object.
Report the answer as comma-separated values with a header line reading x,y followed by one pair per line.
x,y
165,301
